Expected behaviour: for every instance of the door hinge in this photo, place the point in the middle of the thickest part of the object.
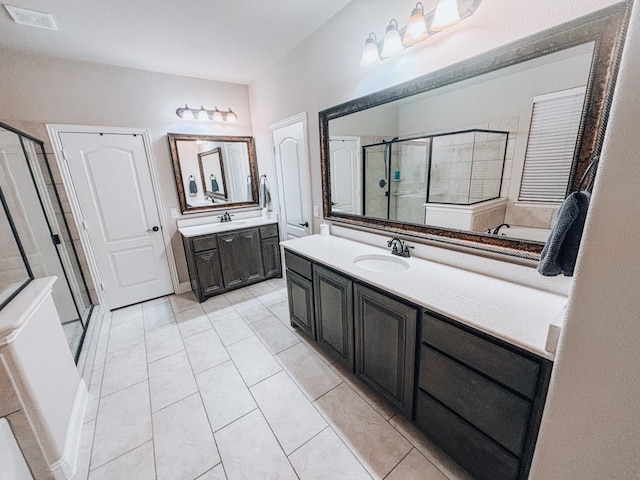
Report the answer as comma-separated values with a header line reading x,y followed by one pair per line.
x,y
102,286
64,154
84,225
56,239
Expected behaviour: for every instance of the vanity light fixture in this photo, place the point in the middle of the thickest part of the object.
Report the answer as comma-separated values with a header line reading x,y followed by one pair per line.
x,y
392,43
203,115
421,25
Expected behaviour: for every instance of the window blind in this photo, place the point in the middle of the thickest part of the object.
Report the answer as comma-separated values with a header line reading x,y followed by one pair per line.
x,y
555,122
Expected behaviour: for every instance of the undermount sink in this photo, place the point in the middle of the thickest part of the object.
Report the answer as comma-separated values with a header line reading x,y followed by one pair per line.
x,y
381,263
232,223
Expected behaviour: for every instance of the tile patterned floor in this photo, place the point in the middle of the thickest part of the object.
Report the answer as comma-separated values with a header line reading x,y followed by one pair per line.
x,y
227,389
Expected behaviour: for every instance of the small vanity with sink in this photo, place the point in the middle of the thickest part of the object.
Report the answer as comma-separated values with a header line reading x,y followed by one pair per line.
x,y
230,254
460,354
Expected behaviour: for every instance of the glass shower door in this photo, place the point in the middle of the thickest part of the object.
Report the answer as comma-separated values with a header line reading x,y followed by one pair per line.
x,y
31,197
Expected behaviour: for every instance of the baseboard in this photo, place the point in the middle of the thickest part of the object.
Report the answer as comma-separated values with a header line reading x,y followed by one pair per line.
x,y
65,468
184,287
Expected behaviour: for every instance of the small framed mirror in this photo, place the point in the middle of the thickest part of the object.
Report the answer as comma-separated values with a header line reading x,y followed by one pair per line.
x,y
214,172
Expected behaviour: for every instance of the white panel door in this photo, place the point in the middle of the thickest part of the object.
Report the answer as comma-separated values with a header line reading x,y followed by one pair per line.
x,y
345,174
292,166
236,170
110,175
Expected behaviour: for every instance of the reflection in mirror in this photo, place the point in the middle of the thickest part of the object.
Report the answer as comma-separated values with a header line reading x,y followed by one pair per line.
x,y
462,156
483,151
214,172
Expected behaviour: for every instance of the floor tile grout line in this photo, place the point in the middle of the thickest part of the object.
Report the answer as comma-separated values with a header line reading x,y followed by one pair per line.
x,y
153,436
199,393
401,460
427,457
328,422
119,456
95,427
308,440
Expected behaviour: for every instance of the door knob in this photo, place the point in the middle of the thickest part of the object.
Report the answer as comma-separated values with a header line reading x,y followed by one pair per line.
x,y
155,229
305,224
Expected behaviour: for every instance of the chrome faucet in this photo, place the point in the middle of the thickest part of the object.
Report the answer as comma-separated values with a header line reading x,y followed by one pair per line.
x,y
225,217
399,247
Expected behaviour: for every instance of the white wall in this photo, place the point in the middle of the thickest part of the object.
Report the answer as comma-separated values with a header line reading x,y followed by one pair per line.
x,y
590,429
38,90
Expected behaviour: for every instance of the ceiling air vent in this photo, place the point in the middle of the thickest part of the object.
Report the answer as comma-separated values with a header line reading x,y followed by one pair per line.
x,y
31,18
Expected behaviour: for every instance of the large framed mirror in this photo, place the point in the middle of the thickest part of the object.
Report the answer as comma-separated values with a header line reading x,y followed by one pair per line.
x,y
214,172
481,153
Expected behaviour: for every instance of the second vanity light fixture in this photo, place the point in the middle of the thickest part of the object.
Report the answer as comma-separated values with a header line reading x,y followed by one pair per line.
x,y
202,114
420,26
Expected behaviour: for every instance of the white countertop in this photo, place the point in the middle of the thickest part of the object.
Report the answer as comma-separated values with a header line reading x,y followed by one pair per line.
x,y
515,313
219,227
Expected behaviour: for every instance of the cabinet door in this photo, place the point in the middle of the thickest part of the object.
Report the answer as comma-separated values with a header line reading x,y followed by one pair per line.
x,y
385,333
230,250
249,255
300,293
333,296
209,273
271,257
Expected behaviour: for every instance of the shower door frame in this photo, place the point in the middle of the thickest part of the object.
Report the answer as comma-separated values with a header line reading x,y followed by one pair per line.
x,y
22,135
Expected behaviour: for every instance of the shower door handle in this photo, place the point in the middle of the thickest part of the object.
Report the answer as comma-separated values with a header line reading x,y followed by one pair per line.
x,y
153,229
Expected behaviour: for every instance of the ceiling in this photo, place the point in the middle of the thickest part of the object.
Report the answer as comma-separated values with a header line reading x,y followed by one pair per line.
x,y
227,40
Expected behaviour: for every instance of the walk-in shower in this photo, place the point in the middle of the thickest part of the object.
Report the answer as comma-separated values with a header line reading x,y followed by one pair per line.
x,y
401,176
33,212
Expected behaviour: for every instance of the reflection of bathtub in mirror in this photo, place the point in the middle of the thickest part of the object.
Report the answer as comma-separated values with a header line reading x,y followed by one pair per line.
x,y
527,233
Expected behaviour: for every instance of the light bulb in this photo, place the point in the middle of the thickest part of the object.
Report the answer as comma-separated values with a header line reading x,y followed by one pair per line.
x,y
203,115
370,55
217,115
446,14
392,44
231,116
416,28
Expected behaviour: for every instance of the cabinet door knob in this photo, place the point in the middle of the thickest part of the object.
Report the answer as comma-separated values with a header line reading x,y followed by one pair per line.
x,y
154,229
305,224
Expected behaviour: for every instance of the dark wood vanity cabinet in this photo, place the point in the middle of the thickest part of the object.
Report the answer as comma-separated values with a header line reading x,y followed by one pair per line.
x,y
209,272
385,345
370,332
300,293
240,255
479,399
333,298
221,262
270,244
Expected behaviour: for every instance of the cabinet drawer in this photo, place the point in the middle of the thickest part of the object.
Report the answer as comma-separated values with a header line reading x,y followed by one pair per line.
x,y
497,412
208,242
480,456
508,368
269,231
297,264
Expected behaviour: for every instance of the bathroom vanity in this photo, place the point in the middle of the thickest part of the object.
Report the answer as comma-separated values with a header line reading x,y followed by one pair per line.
x,y
223,256
462,355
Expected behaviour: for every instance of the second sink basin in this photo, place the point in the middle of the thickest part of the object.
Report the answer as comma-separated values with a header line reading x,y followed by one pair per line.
x,y
380,263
